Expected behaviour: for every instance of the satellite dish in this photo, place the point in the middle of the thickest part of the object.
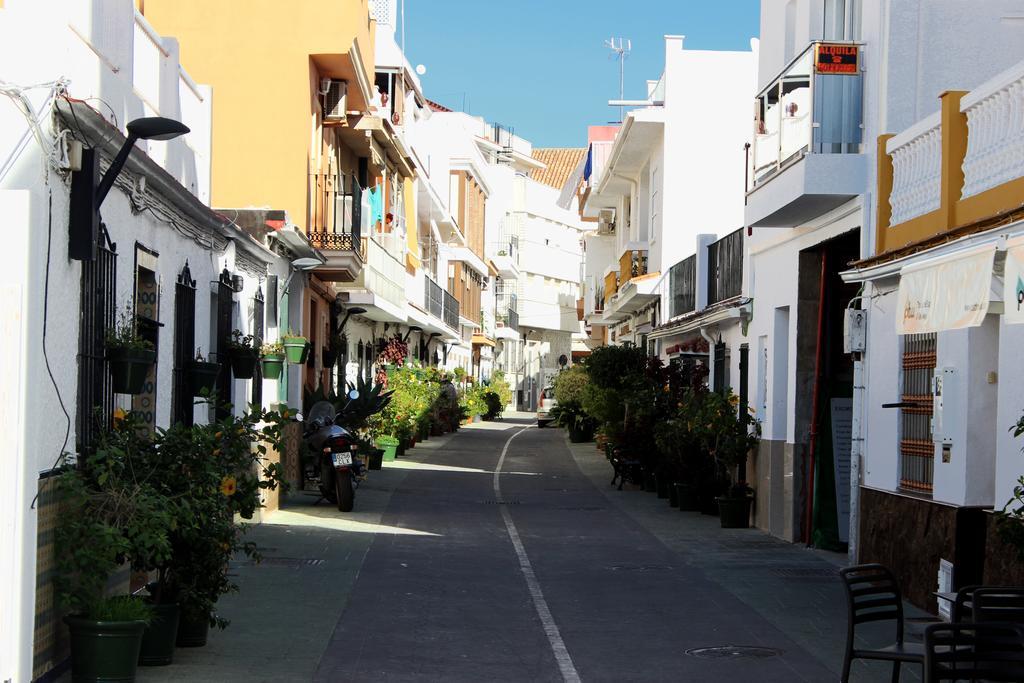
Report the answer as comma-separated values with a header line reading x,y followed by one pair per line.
x,y
420,69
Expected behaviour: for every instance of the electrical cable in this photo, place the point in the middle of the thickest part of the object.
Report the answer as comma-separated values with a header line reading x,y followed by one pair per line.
x,y
46,357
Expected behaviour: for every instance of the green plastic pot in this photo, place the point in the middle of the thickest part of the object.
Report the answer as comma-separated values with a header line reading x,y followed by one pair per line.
x,y
294,349
734,513
243,365
202,375
104,651
129,369
160,635
192,632
389,446
273,366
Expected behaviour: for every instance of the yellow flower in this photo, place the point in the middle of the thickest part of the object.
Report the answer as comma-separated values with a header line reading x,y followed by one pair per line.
x,y
734,399
119,416
218,435
228,486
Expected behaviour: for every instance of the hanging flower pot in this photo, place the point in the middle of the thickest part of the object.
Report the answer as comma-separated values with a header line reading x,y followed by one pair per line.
x,y
129,366
329,357
201,375
294,348
272,365
243,365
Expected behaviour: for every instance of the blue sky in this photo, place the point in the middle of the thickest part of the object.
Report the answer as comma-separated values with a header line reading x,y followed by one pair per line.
x,y
541,66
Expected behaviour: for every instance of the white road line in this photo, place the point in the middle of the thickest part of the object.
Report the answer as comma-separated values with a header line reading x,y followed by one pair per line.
x,y
562,656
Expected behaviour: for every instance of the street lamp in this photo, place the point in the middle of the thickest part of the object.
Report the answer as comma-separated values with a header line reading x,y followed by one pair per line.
x,y
304,264
412,328
87,194
349,312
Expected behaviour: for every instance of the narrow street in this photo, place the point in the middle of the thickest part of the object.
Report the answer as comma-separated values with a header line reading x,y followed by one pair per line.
x,y
436,591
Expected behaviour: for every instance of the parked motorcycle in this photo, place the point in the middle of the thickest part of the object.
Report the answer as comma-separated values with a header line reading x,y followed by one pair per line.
x,y
335,448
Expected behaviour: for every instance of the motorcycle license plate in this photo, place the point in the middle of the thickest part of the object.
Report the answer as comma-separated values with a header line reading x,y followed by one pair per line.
x,y
342,459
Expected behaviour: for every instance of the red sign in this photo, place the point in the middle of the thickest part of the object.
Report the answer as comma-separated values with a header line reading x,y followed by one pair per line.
x,y
831,58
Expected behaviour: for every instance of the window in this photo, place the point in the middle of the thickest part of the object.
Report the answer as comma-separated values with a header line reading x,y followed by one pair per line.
x,y
184,346
917,452
96,315
147,315
258,332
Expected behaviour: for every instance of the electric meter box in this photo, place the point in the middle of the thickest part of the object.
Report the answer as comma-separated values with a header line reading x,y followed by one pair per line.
x,y
855,328
947,405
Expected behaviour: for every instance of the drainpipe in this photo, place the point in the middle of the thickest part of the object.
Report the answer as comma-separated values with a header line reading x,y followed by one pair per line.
x,y
815,396
856,446
711,349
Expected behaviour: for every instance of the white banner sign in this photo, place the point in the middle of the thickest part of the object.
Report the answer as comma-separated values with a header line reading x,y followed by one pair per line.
x,y
1013,285
945,295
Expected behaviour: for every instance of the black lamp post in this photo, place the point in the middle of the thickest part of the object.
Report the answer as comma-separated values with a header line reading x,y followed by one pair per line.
x,y
412,328
88,193
354,309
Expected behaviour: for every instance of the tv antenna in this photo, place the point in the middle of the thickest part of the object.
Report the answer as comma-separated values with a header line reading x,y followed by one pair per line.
x,y
620,51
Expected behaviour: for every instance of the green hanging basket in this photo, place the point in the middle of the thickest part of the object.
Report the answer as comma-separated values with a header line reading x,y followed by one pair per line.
x,y
295,349
273,366
129,368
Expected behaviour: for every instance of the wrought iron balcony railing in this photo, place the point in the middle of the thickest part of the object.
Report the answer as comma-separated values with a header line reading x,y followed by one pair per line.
x,y
725,267
451,311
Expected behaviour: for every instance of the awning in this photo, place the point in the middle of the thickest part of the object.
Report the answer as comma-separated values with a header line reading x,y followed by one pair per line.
x,y
946,293
482,340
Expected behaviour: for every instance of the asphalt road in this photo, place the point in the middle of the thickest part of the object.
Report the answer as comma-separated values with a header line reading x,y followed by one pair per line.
x,y
535,575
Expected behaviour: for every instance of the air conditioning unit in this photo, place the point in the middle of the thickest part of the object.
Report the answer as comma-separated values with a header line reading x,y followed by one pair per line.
x,y
335,100
606,221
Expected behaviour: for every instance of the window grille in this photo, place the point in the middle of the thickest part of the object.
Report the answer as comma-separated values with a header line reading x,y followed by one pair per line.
x,y
258,332
225,293
96,316
184,346
682,287
917,452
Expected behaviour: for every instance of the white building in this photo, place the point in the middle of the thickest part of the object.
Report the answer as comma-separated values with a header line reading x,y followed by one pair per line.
x,y
183,270
666,188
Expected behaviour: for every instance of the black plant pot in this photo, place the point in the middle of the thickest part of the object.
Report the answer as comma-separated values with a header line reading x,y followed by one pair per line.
x,y
734,512
192,632
708,502
243,365
104,651
663,485
688,499
202,375
673,495
129,368
376,459
160,635
650,482
307,357
328,357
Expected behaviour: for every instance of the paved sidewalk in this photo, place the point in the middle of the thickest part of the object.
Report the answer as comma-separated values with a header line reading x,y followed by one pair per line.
x,y
289,604
795,588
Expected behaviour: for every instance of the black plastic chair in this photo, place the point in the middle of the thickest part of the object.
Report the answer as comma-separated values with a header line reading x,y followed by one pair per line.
x,y
963,606
974,651
999,604
873,595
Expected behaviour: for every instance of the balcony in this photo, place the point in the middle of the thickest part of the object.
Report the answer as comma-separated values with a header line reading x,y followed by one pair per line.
x,y
635,289
632,263
957,169
506,258
611,284
679,295
450,311
334,225
380,286
725,268
806,157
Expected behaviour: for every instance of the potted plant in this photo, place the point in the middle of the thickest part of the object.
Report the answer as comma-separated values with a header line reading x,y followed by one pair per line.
x,y
242,350
202,374
729,436
295,347
272,360
389,444
217,473
114,515
129,355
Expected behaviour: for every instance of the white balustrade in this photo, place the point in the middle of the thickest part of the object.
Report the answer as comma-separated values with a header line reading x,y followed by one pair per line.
x,y
916,170
995,125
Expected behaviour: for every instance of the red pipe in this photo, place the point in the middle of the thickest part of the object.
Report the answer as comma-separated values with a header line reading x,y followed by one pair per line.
x,y
808,512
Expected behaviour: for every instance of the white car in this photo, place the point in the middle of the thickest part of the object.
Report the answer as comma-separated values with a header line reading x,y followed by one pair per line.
x,y
547,402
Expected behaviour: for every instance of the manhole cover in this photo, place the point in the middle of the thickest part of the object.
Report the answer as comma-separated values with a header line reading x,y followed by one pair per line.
x,y
733,651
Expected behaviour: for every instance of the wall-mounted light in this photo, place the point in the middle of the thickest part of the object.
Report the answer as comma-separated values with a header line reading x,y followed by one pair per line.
x,y
88,191
348,313
412,328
